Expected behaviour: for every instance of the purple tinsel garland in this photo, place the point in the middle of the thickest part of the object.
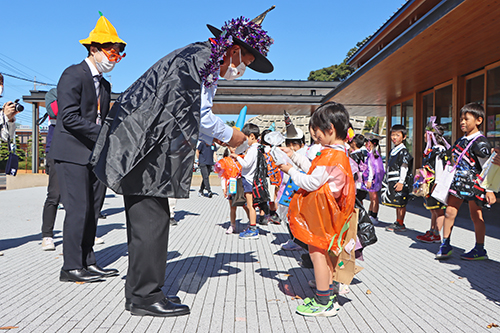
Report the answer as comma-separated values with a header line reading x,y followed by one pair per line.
x,y
243,29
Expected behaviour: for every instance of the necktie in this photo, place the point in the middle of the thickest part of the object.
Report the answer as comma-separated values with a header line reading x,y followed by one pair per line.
x,y
97,83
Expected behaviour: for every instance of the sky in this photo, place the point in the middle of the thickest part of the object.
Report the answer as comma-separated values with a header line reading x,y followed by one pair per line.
x,y
41,38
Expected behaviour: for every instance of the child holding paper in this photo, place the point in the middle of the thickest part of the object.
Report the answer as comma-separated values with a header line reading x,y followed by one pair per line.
x,y
464,186
328,183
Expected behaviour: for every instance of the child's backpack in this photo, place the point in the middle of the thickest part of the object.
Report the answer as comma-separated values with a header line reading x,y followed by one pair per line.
x,y
260,191
421,183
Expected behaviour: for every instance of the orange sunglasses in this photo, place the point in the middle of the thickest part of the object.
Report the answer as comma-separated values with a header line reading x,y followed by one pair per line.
x,y
113,56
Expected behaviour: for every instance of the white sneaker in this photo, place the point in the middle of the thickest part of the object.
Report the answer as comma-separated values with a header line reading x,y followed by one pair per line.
x,y
230,230
98,241
48,244
374,220
1,254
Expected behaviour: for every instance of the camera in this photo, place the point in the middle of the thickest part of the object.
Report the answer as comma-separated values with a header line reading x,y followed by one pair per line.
x,y
18,106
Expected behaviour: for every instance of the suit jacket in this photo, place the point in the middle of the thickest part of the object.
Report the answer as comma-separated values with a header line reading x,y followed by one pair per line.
x,y
76,130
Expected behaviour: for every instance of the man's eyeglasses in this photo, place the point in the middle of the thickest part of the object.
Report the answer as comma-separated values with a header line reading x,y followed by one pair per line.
x,y
113,56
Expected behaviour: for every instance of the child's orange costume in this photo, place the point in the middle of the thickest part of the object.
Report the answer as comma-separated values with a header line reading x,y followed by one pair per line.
x,y
317,218
273,172
228,168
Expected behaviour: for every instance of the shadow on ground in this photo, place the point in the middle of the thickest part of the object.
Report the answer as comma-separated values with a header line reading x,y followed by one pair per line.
x,y
10,243
190,274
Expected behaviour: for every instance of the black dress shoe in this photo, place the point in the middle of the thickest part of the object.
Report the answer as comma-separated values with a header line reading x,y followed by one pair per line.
x,y
78,275
94,269
173,221
163,308
171,298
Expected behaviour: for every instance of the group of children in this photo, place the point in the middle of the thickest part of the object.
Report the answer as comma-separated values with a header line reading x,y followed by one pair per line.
x,y
335,175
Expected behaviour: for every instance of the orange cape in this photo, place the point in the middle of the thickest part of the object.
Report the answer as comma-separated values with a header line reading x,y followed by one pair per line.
x,y
317,218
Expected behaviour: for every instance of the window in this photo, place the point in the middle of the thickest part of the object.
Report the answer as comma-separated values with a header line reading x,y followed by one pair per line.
x,y
493,107
443,109
403,114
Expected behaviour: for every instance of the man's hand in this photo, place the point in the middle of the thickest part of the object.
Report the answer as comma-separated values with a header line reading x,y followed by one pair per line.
x,y
233,156
237,139
9,109
398,187
285,167
496,160
287,151
491,198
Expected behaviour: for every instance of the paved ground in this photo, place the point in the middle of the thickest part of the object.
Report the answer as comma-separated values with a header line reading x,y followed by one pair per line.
x,y
233,285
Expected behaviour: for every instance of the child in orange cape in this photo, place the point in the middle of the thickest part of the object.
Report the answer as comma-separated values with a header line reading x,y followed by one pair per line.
x,y
228,168
321,207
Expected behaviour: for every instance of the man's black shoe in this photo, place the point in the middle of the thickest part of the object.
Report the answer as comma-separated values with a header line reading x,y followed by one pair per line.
x,y
171,298
78,275
163,308
210,194
173,221
94,269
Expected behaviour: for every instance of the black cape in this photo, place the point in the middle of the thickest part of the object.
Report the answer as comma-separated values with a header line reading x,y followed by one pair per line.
x,y
147,143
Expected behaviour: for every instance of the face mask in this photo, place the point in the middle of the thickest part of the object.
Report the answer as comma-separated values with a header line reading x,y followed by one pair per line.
x,y
1,90
105,66
235,72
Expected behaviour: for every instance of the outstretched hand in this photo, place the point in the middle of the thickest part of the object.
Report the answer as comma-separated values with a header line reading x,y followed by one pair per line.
x,y
237,139
285,167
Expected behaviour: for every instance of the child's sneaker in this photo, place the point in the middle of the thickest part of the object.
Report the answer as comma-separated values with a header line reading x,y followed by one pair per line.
x,y
48,244
396,227
249,234
374,220
311,308
231,230
429,237
444,252
475,254
263,219
291,246
274,218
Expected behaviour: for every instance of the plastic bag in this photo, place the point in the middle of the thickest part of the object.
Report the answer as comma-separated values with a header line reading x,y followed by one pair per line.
x,y
366,229
260,192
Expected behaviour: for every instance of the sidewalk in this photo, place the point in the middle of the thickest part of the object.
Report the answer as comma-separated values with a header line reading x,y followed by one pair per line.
x,y
237,285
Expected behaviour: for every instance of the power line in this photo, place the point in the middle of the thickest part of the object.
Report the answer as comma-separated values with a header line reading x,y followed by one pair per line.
x,y
26,67
29,80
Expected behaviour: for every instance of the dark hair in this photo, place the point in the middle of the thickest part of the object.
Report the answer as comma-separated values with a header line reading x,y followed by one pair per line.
x,y
376,147
226,152
438,134
329,114
399,128
300,142
476,110
262,135
104,46
359,140
251,129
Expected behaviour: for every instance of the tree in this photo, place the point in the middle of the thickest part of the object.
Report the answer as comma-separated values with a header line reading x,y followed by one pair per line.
x,y
370,123
336,72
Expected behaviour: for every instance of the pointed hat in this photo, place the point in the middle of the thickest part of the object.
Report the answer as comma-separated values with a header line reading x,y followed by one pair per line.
x,y
292,132
104,32
250,35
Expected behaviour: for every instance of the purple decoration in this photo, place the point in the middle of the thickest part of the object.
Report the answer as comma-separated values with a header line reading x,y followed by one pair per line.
x,y
377,166
243,29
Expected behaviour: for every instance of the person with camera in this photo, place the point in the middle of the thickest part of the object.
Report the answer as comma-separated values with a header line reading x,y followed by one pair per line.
x,y
8,119
83,98
7,116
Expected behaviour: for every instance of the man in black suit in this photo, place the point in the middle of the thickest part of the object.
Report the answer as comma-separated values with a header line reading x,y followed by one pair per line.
x,y
83,99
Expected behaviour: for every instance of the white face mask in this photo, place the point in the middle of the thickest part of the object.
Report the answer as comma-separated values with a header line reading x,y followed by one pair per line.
x,y
1,90
105,66
235,72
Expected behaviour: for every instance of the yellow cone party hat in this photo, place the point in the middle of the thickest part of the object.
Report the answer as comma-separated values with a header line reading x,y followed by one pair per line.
x,y
104,32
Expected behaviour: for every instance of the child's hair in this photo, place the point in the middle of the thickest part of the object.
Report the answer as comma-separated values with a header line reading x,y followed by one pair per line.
x,y
251,129
438,134
330,114
476,110
359,140
300,142
399,128
226,153
262,137
376,147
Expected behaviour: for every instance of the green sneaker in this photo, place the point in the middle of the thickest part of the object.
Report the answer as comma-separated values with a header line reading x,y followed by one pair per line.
x,y
311,308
